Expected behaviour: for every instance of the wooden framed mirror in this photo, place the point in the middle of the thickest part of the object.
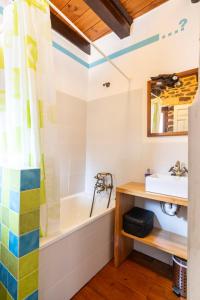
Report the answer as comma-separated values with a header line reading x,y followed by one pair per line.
x,y
168,99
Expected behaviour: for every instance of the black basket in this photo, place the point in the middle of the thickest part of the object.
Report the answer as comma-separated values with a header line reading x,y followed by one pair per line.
x,y
138,222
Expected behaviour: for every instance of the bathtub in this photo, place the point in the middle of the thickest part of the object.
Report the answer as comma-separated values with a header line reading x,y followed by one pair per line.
x,y
69,259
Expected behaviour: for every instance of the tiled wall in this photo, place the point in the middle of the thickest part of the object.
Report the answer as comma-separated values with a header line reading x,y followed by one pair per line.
x,y
72,143
114,144
19,245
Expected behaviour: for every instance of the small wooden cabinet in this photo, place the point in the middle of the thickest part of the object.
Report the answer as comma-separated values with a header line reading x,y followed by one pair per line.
x,y
166,241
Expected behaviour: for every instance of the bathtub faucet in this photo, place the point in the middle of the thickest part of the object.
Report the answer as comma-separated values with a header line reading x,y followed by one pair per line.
x,y
102,185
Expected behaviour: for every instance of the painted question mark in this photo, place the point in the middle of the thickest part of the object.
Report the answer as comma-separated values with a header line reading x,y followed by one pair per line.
x,y
183,23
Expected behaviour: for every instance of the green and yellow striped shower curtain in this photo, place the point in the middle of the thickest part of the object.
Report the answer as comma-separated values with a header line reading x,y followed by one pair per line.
x,y
28,128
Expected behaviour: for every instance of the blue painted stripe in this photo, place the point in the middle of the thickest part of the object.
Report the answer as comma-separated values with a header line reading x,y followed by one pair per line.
x,y
70,54
136,46
141,44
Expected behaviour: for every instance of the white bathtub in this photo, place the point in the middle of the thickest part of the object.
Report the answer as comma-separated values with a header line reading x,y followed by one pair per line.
x,y
84,245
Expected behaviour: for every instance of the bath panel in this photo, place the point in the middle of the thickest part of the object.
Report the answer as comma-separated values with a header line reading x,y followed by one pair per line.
x,y
70,259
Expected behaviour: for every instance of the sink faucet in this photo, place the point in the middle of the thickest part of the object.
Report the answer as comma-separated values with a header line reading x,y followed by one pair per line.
x,y
179,169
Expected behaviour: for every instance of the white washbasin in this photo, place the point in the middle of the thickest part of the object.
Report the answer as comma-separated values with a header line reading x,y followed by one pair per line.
x,y
167,185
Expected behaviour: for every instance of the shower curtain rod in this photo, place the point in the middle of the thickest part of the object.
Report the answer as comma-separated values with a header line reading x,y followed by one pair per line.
x,y
88,40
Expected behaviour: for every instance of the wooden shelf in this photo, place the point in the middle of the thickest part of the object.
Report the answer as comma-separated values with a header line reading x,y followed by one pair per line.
x,y
138,190
163,240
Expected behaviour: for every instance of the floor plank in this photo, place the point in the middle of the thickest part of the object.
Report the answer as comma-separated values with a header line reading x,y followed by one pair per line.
x,y
140,277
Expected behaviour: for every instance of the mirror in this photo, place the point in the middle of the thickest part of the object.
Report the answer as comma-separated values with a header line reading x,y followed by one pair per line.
x,y
169,96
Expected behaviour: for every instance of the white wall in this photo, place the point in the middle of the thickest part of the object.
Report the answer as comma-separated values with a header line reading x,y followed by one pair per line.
x,y
116,122
70,76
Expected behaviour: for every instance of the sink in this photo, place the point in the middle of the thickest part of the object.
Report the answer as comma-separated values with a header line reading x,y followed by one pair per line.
x,y
167,185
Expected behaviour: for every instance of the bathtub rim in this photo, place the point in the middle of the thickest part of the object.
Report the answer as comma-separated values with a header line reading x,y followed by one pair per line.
x,y
64,233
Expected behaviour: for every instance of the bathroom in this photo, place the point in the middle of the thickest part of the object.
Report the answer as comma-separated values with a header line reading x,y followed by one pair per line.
x,y
101,126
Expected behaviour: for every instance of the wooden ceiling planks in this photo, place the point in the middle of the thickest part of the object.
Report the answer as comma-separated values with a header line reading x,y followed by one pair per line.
x,y
139,7
74,9
60,4
88,22
97,31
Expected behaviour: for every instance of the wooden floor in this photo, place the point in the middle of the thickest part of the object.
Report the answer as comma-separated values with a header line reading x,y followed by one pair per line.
x,y
138,278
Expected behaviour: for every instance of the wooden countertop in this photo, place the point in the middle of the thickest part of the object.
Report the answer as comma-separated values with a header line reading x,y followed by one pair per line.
x,y
138,190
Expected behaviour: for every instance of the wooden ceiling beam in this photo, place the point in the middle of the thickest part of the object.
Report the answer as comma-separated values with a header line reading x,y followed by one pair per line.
x,y
123,11
113,14
71,35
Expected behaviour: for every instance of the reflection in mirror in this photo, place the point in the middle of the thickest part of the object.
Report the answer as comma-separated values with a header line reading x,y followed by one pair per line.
x,y
169,97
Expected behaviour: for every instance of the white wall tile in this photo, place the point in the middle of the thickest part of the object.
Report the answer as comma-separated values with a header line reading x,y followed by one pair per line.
x,y
72,143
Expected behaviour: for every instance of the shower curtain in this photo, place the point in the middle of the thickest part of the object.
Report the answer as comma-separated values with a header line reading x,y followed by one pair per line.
x,y
156,113
28,129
